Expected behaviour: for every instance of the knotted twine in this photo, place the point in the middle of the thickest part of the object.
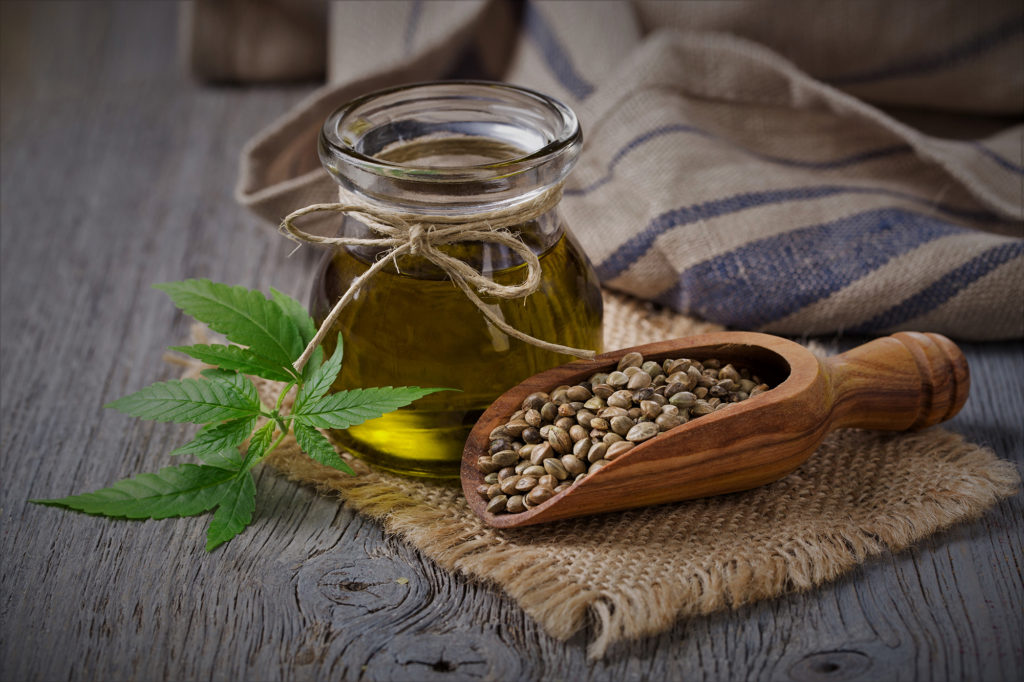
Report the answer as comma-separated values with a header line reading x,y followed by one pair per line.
x,y
419,234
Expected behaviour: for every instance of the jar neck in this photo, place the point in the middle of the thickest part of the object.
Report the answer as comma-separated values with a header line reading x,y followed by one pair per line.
x,y
450,149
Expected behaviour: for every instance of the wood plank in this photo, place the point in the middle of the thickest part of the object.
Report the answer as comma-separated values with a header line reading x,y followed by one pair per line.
x,y
118,172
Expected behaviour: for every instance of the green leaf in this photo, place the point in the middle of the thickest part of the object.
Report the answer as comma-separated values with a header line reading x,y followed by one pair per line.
x,y
259,444
315,360
239,359
314,444
244,316
347,408
320,380
234,511
228,458
304,323
297,312
227,375
193,400
183,490
213,438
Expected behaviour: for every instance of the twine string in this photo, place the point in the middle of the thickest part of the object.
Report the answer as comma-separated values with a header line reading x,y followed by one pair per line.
x,y
402,233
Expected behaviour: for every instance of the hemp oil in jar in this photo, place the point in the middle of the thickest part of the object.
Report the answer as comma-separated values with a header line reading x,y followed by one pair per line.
x,y
450,149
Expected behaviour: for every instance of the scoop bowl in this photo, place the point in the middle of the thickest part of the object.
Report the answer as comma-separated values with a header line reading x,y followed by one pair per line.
x,y
906,381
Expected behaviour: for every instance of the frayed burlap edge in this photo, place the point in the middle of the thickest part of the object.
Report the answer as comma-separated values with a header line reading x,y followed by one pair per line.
x,y
436,520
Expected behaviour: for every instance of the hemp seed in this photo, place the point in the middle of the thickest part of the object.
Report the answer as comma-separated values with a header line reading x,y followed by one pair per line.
x,y
559,438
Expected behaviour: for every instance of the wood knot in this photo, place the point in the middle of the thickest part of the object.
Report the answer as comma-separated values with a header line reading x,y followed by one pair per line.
x,y
830,665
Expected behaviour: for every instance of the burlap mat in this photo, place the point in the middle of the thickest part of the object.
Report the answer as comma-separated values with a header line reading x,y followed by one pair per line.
x,y
635,573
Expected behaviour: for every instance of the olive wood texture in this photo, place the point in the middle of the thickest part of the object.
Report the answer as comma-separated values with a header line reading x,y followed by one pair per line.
x,y
905,381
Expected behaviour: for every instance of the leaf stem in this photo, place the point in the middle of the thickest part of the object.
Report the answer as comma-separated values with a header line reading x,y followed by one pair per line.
x,y
273,446
249,462
284,392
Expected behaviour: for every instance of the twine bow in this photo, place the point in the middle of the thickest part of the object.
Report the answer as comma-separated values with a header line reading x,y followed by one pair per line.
x,y
419,234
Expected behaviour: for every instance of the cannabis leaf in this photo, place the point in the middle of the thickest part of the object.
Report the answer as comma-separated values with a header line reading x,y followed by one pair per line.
x,y
214,438
348,408
320,379
237,358
174,491
234,511
297,313
243,316
191,400
270,335
228,458
319,448
261,443
304,323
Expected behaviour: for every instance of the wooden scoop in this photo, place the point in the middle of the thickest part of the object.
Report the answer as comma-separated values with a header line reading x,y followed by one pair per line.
x,y
905,381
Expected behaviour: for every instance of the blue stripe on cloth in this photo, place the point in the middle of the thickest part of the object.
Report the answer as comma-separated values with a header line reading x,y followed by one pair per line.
x,y
661,131
936,61
468,65
943,289
773,277
1002,161
556,56
412,23
636,246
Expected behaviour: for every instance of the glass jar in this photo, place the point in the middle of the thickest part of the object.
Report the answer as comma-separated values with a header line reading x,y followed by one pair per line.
x,y
450,149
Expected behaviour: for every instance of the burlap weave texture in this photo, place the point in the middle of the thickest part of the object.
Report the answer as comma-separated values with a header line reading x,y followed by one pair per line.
x,y
635,573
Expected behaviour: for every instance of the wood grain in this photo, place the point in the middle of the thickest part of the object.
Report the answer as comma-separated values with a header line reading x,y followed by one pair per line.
x,y
117,172
905,381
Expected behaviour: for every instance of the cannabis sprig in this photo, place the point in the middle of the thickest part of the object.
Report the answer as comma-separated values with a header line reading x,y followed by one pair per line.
x,y
267,336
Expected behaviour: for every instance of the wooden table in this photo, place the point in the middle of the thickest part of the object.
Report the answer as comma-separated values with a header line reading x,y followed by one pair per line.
x,y
117,173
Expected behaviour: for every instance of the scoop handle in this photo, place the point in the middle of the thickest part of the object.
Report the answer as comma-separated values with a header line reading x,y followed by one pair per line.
x,y
909,380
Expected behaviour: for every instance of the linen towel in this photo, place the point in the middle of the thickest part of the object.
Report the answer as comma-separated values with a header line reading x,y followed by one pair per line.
x,y
738,163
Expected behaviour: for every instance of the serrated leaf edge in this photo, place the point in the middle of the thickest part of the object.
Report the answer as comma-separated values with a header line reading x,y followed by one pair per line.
x,y
72,501
312,435
284,355
218,522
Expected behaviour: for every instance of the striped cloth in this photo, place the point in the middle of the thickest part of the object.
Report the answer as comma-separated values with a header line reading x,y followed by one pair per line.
x,y
814,168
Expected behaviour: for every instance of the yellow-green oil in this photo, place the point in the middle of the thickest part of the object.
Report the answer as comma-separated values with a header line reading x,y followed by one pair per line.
x,y
412,327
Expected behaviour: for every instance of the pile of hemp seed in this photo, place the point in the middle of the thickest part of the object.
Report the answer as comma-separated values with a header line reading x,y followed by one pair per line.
x,y
558,439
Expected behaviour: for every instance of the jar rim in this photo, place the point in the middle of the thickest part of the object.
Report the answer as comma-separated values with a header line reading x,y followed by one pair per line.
x,y
338,140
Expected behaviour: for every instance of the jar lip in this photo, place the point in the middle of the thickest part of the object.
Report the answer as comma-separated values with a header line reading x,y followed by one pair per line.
x,y
336,147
